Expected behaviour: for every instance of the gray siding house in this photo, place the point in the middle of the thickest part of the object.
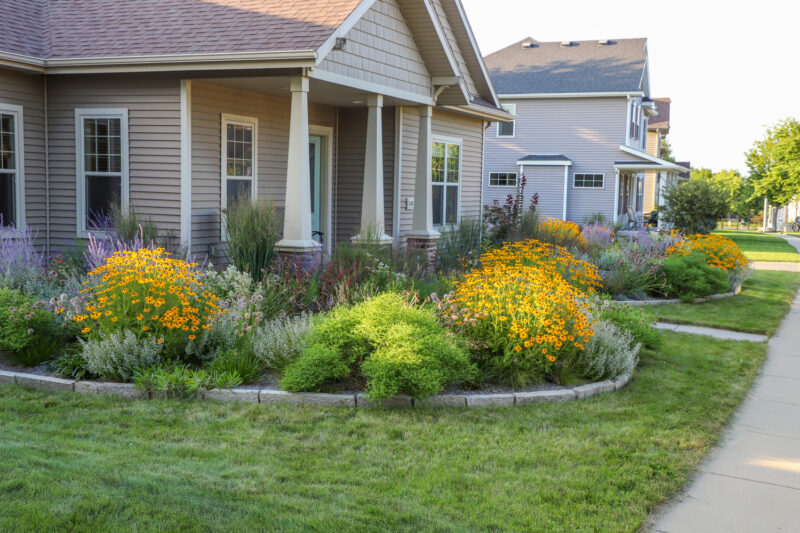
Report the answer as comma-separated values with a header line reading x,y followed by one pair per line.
x,y
347,114
579,139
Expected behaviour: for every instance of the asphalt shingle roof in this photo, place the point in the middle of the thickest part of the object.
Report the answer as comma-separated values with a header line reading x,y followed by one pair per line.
x,y
661,119
581,67
51,29
545,157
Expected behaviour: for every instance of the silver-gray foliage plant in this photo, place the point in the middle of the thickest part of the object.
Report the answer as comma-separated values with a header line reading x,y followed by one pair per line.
x,y
611,352
281,340
120,354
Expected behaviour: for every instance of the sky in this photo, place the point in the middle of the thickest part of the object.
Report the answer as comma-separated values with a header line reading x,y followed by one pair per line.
x,y
730,67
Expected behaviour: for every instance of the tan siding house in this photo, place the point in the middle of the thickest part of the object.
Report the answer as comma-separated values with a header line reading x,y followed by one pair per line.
x,y
339,113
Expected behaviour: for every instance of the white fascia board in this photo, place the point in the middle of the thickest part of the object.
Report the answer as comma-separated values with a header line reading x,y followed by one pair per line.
x,y
535,96
481,112
344,28
22,62
176,62
370,87
442,39
553,163
477,51
653,159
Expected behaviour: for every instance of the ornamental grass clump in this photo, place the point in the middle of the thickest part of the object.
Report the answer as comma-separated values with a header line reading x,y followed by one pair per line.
x,y
150,294
525,309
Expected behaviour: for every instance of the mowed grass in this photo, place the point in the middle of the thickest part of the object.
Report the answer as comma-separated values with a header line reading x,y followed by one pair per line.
x,y
89,463
758,246
760,308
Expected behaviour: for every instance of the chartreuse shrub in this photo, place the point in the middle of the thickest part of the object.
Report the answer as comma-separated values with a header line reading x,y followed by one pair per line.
x,y
150,294
29,334
389,343
525,309
690,276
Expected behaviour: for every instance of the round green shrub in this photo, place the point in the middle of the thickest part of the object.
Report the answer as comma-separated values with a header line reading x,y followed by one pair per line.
x,y
689,277
391,345
29,334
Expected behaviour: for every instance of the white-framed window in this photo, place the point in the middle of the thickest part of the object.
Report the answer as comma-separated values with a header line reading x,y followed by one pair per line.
x,y
446,186
101,138
635,127
502,179
12,167
589,181
507,129
239,159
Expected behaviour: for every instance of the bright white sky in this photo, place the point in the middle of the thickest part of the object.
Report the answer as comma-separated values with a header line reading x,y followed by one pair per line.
x,y
731,67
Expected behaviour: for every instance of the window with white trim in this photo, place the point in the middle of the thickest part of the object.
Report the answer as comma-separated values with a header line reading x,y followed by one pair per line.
x,y
239,162
502,179
11,167
446,187
102,164
589,181
636,121
507,129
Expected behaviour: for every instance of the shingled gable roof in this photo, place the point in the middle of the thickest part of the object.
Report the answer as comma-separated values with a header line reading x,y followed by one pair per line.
x,y
619,65
661,119
53,29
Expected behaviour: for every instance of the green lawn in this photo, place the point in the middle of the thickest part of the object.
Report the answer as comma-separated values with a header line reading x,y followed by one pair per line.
x,y
89,463
758,246
765,299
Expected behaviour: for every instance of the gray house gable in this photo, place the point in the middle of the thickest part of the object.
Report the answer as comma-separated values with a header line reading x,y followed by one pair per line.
x,y
533,67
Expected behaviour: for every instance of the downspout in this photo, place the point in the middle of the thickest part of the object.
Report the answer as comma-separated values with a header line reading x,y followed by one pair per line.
x,y
46,168
398,173
566,190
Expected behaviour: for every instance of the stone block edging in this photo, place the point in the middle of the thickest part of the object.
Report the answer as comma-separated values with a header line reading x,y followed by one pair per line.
x,y
722,296
507,399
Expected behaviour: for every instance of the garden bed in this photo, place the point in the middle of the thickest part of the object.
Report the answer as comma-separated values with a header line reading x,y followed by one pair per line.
x,y
662,301
271,396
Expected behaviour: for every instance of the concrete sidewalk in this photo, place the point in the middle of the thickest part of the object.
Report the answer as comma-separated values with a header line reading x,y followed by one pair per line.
x,y
725,334
786,267
751,482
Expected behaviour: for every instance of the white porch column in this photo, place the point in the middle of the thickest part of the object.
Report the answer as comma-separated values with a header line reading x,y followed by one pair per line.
x,y
422,226
615,217
297,212
372,217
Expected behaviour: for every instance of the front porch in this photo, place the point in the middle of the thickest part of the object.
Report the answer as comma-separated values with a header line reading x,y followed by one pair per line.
x,y
330,157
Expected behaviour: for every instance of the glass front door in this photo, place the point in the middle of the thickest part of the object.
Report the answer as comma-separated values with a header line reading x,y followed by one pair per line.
x,y
315,160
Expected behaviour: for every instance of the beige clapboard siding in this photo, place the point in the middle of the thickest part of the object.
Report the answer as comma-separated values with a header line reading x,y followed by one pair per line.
x,y
653,148
589,131
352,140
153,104
470,132
27,90
381,49
209,102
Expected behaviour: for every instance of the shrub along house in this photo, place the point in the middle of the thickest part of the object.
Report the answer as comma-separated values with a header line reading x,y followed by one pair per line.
x,y
349,115
579,138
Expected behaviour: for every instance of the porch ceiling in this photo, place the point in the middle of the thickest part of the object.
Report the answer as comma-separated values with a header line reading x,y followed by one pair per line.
x,y
320,92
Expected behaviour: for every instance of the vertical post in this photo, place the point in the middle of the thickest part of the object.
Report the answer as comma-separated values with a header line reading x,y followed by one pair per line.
x,y
186,164
297,242
766,207
616,195
372,213
423,236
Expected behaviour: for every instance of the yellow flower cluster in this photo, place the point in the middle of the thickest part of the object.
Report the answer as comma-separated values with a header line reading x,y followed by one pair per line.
x,y
721,252
147,292
527,303
562,232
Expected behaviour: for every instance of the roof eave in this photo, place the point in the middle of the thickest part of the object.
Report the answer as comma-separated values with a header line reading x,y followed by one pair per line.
x,y
482,112
532,96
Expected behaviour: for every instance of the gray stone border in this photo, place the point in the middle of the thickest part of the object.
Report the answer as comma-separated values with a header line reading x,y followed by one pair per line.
x,y
642,303
127,390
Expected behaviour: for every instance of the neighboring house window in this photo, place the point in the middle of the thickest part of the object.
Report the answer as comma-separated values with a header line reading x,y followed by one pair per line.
x,y
239,161
11,166
589,181
446,181
636,121
102,165
507,129
503,179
